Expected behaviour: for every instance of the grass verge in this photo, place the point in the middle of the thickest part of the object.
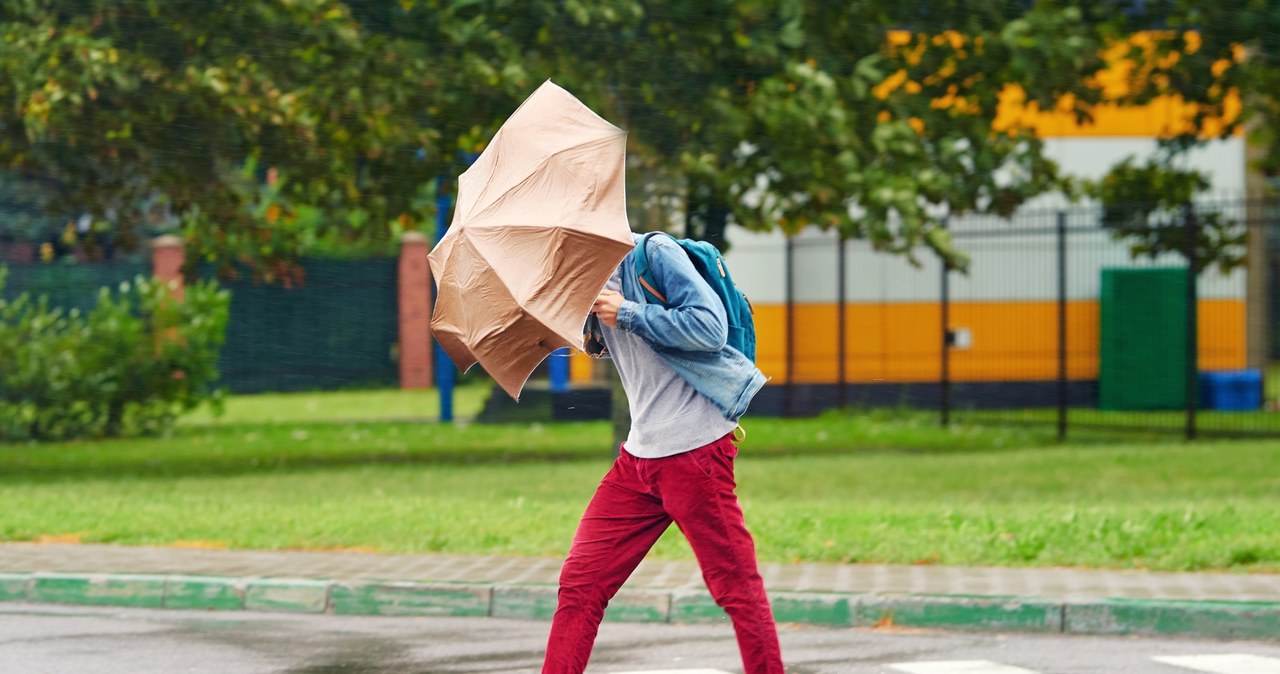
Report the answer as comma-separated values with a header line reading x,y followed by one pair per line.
x,y
356,405
841,488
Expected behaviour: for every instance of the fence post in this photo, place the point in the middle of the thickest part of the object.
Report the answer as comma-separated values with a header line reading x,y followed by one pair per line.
x,y
789,405
167,257
414,301
944,397
841,299
1062,325
1190,233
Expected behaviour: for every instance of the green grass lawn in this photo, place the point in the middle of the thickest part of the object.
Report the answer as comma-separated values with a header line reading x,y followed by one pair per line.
x,y
387,404
1258,422
848,487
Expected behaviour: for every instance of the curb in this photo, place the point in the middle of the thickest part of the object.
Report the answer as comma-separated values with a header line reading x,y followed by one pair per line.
x,y
1152,617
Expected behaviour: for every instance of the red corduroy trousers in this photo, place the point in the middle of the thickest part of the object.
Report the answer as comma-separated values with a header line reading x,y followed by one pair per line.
x,y
635,502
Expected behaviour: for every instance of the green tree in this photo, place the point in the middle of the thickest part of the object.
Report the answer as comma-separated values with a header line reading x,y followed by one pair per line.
x,y
205,104
872,118
807,113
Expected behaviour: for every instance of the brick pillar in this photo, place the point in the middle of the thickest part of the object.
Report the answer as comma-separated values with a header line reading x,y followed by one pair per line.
x,y
166,261
415,312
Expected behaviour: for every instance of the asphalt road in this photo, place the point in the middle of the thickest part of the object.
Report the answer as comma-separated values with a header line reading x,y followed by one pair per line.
x,y
46,639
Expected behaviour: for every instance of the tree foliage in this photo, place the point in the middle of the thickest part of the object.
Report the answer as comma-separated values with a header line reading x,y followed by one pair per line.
x,y
1223,61
1151,205
121,102
272,127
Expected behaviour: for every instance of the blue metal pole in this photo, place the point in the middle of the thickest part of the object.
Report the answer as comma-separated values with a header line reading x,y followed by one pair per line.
x,y
446,373
558,370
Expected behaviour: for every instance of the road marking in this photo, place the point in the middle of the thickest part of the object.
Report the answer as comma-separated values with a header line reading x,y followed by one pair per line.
x,y
676,671
958,667
1233,663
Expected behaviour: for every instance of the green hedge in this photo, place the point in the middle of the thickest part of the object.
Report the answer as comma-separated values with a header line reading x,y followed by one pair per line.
x,y
128,366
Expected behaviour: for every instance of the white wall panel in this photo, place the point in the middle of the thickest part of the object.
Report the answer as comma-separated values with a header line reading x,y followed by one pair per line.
x,y
1016,266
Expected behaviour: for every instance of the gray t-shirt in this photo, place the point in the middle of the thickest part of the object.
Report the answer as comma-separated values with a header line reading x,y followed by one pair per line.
x,y
667,415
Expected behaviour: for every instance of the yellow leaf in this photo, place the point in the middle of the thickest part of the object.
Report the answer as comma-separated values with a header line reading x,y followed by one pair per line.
x,y
199,545
59,538
889,85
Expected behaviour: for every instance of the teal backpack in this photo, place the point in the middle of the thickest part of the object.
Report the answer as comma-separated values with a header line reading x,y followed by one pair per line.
x,y
710,265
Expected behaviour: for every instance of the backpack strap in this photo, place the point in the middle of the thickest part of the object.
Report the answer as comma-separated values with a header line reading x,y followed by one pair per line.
x,y
642,267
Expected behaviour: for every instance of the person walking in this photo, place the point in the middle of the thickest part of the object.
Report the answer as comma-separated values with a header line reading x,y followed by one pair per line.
x,y
686,390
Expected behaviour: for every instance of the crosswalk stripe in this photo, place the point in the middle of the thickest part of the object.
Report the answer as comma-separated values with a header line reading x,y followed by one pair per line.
x,y
676,671
958,667
1232,663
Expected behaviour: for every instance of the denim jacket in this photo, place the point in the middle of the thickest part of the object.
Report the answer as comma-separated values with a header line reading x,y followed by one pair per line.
x,y
690,336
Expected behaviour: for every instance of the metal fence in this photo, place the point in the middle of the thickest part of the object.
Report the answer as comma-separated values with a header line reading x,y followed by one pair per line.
x,y
71,286
1056,322
336,329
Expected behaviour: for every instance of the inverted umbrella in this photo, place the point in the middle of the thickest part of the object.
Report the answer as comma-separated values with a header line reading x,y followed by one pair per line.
x,y
539,226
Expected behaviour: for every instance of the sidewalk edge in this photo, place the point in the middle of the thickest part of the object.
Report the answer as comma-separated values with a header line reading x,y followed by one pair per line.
x,y
1151,617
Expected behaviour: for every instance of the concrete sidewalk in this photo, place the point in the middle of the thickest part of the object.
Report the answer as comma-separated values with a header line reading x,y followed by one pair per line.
x,y
1053,600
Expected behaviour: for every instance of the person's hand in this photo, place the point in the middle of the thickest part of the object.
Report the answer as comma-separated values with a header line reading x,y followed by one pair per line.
x,y
606,307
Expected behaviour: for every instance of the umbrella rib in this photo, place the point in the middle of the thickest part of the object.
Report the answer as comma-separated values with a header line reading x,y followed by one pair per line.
x,y
533,171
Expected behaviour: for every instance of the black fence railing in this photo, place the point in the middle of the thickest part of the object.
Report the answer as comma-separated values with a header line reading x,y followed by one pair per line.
x,y
1169,322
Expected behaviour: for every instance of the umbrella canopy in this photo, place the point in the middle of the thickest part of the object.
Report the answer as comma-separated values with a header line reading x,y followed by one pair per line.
x,y
539,226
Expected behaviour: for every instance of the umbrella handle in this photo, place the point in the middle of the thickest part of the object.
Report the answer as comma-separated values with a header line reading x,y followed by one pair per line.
x,y
593,338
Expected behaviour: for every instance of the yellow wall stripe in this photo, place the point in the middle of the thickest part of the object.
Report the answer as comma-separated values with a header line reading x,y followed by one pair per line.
x,y
1011,341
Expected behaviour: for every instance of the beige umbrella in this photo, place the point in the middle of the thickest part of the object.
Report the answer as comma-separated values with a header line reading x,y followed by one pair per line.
x,y
539,226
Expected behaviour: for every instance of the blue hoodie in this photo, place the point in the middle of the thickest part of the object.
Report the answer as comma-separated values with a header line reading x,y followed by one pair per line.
x,y
690,335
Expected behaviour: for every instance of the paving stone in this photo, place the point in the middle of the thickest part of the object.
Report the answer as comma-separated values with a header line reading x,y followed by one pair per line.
x,y
204,592
1003,614
411,599
1237,620
689,606
814,608
533,602
639,606
13,586
293,596
878,579
143,591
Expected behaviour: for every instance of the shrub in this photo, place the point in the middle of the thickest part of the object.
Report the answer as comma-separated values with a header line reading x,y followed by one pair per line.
x,y
129,366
